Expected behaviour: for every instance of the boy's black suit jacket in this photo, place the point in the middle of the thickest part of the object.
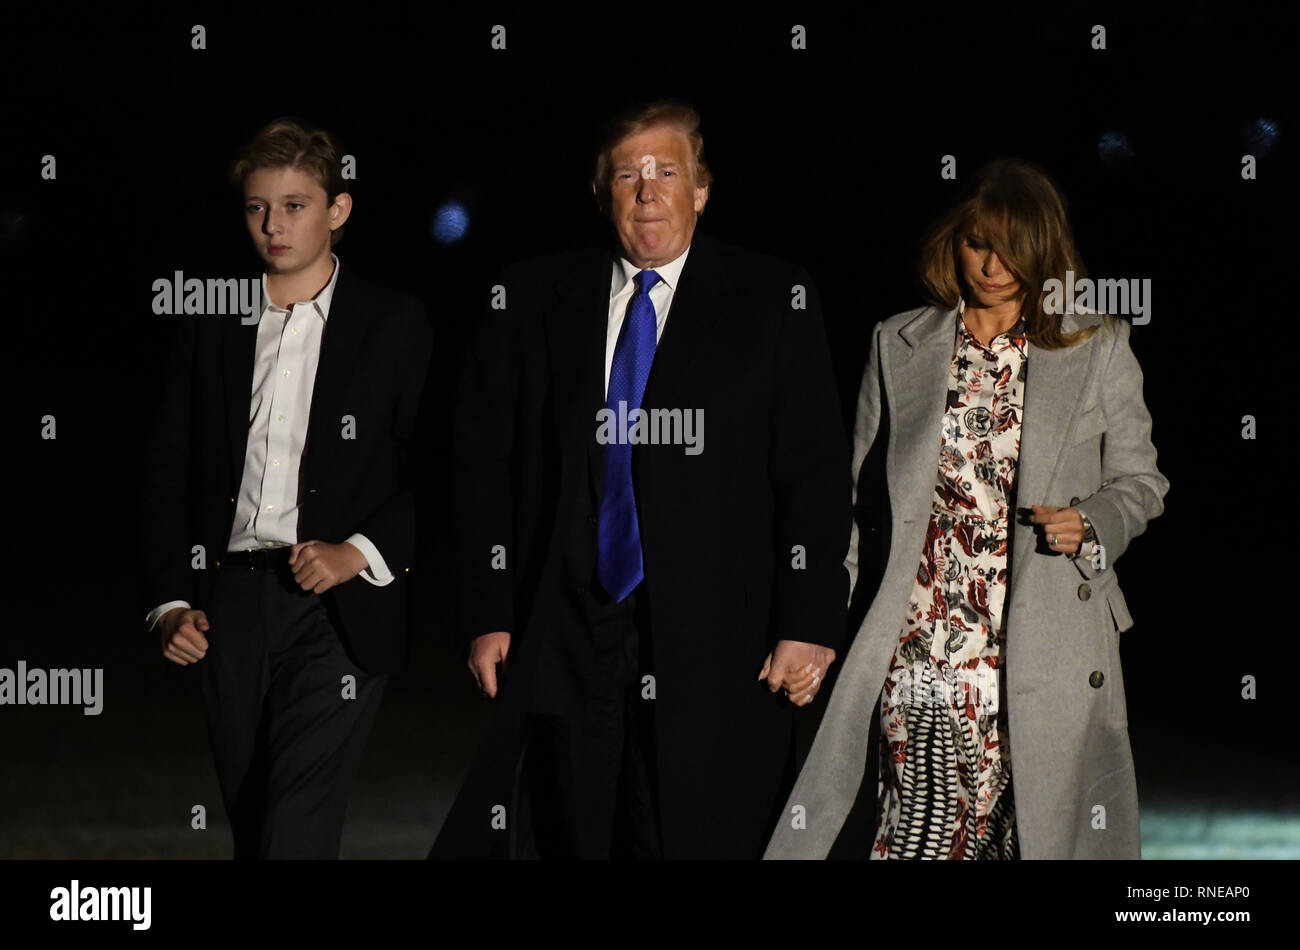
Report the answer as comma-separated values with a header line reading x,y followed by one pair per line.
x,y
375,352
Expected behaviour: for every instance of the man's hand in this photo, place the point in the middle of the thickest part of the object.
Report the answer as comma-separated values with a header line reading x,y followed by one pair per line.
x,y
485,653
318,566
798,668
182,632
1063,527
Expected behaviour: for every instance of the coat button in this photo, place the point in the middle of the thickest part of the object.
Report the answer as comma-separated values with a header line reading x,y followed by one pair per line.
x,y
1084,591
1074,501
1096,678
591,519
232,501
579,590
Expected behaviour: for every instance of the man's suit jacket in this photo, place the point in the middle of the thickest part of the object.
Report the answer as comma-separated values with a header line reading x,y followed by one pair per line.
x,y
743,543
374,356
1085,441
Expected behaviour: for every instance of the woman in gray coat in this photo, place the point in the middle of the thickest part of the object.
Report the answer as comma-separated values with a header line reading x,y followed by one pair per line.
x,y
1002,462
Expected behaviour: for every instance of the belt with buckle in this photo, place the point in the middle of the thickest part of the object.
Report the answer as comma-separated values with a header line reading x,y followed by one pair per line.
x,y
257,559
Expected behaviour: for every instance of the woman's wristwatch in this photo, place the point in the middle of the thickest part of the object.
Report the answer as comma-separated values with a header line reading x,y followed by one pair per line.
x,y
1089,543
1088,546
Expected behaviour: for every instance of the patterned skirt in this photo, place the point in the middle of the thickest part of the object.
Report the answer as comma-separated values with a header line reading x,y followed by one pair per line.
x,y
945,787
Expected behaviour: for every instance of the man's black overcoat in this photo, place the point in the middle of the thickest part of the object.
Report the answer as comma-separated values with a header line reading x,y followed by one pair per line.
x,y
743,543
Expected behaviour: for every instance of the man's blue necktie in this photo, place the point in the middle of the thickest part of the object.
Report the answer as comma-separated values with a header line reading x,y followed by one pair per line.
x,y
618,565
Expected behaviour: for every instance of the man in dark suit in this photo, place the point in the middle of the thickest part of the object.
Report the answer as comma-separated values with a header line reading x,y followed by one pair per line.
x,y
654,570
259,516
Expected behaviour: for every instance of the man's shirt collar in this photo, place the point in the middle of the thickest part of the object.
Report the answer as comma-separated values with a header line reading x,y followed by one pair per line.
x,y
670,273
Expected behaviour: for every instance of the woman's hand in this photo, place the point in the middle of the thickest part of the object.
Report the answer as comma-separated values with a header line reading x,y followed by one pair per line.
x,y
1063,527
798,668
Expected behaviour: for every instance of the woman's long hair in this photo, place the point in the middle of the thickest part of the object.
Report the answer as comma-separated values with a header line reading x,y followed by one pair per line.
x,y
1013,206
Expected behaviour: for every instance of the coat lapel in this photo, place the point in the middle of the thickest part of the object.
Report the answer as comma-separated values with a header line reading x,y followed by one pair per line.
x,y
341,346
916,377
575,333
239,346
1054,385
692,318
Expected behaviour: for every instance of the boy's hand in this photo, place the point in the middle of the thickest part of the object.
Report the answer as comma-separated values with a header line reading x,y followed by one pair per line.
x,y
318,566
183,639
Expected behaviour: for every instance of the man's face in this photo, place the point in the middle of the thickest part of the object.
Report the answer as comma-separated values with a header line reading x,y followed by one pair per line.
x,y
653,198
290,219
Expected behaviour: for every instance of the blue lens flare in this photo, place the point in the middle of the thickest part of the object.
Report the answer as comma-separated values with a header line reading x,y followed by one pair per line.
x,y
450,223
1113,149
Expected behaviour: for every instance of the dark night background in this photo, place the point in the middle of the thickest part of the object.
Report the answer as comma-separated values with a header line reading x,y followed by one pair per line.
x,y
829,157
